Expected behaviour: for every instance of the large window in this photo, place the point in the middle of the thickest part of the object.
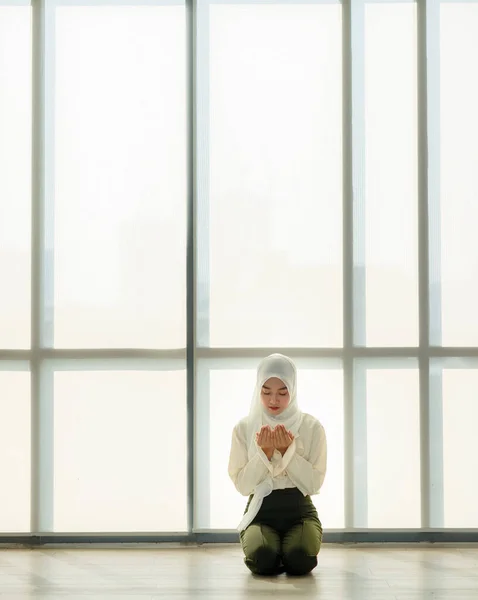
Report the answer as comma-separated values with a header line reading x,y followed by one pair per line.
x,y
187,186
270,194
15,175
458,211
15,447
106,410
387,222
118,194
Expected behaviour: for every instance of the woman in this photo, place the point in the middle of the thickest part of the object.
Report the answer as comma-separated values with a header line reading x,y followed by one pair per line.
x,y
278,457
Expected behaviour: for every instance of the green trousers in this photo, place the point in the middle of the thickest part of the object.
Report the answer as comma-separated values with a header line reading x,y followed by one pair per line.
x,y
285,535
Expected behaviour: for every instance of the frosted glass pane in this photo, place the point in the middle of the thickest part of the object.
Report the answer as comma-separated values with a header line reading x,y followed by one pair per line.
x,y
322,395
15,175
393,448
120,451
274,202
120,177
459,175
391,187
15,451
224,398
460,458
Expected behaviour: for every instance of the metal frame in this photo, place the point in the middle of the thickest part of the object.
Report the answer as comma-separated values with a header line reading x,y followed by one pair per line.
x,y
429,354
256,353
357,536
37,253
423,271
191,254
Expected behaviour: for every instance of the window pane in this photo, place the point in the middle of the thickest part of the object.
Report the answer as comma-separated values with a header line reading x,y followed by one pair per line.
x,y
274,195
15,451
322,395
120,177
15,175
120,451
220,506
459,176
391,191
460,459
393,448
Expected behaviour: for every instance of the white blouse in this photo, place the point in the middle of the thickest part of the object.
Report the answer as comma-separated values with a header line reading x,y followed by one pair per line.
x,y
303,465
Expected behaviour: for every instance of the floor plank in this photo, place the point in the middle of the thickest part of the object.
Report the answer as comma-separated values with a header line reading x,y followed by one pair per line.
x,y
217,572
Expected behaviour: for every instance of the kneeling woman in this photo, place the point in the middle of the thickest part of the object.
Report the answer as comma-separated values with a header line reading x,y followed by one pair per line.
x,y
278,457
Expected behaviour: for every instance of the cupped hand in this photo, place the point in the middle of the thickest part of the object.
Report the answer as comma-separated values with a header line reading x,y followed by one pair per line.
x,y
282,438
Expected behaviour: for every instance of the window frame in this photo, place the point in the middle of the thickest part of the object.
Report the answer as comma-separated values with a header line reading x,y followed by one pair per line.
x,y
353,352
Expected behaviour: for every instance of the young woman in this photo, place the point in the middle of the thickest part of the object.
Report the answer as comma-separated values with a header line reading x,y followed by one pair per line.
x,y
278,458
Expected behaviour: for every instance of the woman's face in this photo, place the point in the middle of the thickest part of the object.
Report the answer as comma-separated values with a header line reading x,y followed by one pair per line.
x,y
275,396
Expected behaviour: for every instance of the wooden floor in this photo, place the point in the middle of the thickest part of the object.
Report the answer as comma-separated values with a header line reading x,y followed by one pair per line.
x,y
217,572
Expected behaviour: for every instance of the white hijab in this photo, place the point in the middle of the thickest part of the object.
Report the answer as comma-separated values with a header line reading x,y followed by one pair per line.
x,y
275,365
282,367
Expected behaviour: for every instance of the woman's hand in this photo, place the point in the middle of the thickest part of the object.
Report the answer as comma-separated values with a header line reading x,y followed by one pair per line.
x,y
264,441
282,439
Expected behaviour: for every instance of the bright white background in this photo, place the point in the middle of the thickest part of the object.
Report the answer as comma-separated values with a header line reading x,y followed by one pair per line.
x,y
391,193
393,448
15,176
15,449
269,256
275,175
459,176
460,461
120,177
120,451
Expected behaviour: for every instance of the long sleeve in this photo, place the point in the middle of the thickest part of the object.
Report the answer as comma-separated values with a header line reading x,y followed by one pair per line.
x,y
306,474
245,473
